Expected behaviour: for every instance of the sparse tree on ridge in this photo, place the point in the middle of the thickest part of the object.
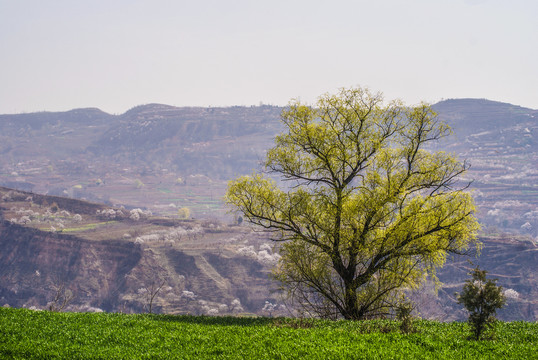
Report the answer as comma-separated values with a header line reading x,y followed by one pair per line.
x,y
367,211
184,213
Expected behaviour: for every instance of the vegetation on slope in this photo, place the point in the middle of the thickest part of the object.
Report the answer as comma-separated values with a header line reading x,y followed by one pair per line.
x,y
26,334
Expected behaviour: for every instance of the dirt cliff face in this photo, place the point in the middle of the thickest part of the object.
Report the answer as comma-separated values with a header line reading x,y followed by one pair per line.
x,y
34,262
108,259
512,262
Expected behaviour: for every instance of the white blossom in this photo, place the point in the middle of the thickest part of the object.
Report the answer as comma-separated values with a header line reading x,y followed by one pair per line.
x,y
494,212
269,307
266,247
507,204
268,259
527,226
247,251
24,220
189,295
109,213
137,214
212,311
531,215
511,294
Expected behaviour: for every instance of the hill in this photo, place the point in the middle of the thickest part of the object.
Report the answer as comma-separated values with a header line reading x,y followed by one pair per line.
x,y
161,157
158,158
114,259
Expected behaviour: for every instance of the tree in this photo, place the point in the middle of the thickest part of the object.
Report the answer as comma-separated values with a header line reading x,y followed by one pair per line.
x,y
62,296
481,298
184,213
150,292
364,210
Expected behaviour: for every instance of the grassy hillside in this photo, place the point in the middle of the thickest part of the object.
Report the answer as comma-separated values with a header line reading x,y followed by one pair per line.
x,y
26,334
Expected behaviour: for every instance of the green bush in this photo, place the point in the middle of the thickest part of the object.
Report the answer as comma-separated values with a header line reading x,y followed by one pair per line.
x,y
481,298
404,314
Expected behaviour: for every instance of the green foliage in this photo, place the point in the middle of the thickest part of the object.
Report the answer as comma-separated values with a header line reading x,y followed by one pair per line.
x,y
368,211
138,184
404,314
481,298
184,213
90,226
26,334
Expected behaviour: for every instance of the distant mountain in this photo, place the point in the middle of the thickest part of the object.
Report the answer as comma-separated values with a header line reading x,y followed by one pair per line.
x,y
472,115
158,155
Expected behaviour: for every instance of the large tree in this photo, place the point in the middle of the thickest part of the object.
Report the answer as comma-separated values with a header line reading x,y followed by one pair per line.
x,y
364,211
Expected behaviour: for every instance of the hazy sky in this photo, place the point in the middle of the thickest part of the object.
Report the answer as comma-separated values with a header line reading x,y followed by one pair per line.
x,y
115,54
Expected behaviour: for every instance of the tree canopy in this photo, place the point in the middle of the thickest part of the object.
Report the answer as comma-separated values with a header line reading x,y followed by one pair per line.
x,y
363,210
481,297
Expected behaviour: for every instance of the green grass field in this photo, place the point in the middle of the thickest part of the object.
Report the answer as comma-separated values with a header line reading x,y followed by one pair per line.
x,y
26,334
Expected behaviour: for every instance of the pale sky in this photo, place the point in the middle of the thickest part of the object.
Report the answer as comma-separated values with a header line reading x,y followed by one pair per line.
x,y
58,55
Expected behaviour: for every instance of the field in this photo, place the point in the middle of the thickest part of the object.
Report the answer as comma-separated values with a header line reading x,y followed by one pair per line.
x,y
27,334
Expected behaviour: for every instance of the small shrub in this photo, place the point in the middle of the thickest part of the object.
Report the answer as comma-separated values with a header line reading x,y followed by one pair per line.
x,y
404,315
481,298
184,213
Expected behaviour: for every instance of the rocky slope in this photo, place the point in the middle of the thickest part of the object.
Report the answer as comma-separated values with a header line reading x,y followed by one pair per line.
x,y
114,259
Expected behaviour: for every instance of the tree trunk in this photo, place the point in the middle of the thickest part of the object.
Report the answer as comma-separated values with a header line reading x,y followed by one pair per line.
x,y
352,308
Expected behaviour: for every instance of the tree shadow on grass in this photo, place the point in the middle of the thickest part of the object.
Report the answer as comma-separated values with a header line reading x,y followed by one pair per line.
x,y
213,320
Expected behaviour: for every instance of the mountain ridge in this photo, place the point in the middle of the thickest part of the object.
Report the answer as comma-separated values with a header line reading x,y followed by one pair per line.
x,y
191,152
152,106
